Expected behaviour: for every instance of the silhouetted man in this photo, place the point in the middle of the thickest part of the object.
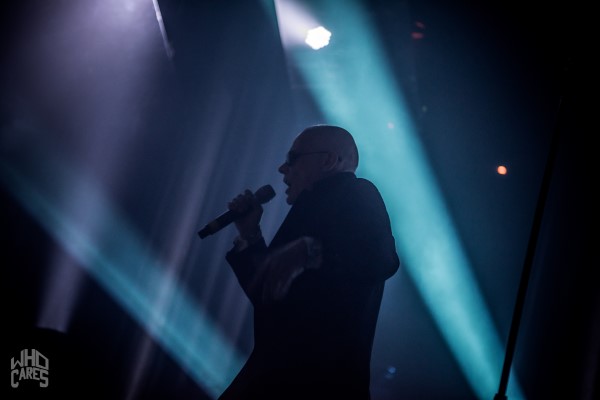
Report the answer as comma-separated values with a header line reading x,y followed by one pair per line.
x,y
317,287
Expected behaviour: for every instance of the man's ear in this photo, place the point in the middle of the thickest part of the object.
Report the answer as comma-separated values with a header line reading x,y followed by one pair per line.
x,y
331,162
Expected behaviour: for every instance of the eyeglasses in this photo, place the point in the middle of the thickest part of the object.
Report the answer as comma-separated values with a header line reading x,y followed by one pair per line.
x,y
292,157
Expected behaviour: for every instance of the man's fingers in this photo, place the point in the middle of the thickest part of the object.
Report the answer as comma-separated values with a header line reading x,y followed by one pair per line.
x,y
242,202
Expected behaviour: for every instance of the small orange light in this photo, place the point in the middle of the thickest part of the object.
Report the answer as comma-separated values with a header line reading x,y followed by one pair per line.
x,y
502,170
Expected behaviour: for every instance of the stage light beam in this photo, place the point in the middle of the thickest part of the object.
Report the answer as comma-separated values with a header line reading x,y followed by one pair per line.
x,y
113,253
368,101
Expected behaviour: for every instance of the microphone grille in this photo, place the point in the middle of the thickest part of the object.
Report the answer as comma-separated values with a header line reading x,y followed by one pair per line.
x,y
264,194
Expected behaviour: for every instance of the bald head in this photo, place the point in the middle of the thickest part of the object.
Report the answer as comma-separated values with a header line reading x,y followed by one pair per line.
x,y
318,152
335,140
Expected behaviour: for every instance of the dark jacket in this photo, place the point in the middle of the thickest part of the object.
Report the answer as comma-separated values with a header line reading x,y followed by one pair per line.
x,y
316,343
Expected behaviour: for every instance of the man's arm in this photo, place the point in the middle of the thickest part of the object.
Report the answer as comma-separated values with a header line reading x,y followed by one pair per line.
x,y
249,251
248,266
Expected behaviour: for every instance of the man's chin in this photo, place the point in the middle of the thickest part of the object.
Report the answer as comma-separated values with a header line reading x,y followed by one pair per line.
x,y
291,198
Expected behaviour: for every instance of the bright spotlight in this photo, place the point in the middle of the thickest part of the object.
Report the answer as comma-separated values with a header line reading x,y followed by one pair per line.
x,y
317,38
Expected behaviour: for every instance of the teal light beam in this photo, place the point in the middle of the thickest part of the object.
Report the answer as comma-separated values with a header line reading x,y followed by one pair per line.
x,y
116,256
355,89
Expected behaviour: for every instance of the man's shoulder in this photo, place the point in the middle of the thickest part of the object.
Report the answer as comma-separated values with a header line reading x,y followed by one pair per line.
x,y
347,186
365,194
365,185
364,182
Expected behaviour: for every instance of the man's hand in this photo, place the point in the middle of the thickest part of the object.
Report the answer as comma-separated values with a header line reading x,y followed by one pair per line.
x,y
246,202
285,264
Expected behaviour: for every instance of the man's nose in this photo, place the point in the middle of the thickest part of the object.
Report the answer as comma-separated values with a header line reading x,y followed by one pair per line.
x,y
283,168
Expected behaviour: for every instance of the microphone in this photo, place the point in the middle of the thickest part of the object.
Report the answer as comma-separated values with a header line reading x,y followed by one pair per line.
x,y
263,195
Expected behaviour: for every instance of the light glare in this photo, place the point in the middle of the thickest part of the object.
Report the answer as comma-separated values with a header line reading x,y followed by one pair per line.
x,y
293,21
318,38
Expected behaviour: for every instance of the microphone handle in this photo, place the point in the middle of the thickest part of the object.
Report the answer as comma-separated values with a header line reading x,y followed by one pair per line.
x,y
219,223
263,195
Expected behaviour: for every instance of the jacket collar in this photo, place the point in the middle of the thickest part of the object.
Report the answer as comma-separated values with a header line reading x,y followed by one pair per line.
x,y
325,184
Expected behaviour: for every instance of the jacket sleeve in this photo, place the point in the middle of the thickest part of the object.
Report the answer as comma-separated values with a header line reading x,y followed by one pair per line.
x,y
357,238
246,266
